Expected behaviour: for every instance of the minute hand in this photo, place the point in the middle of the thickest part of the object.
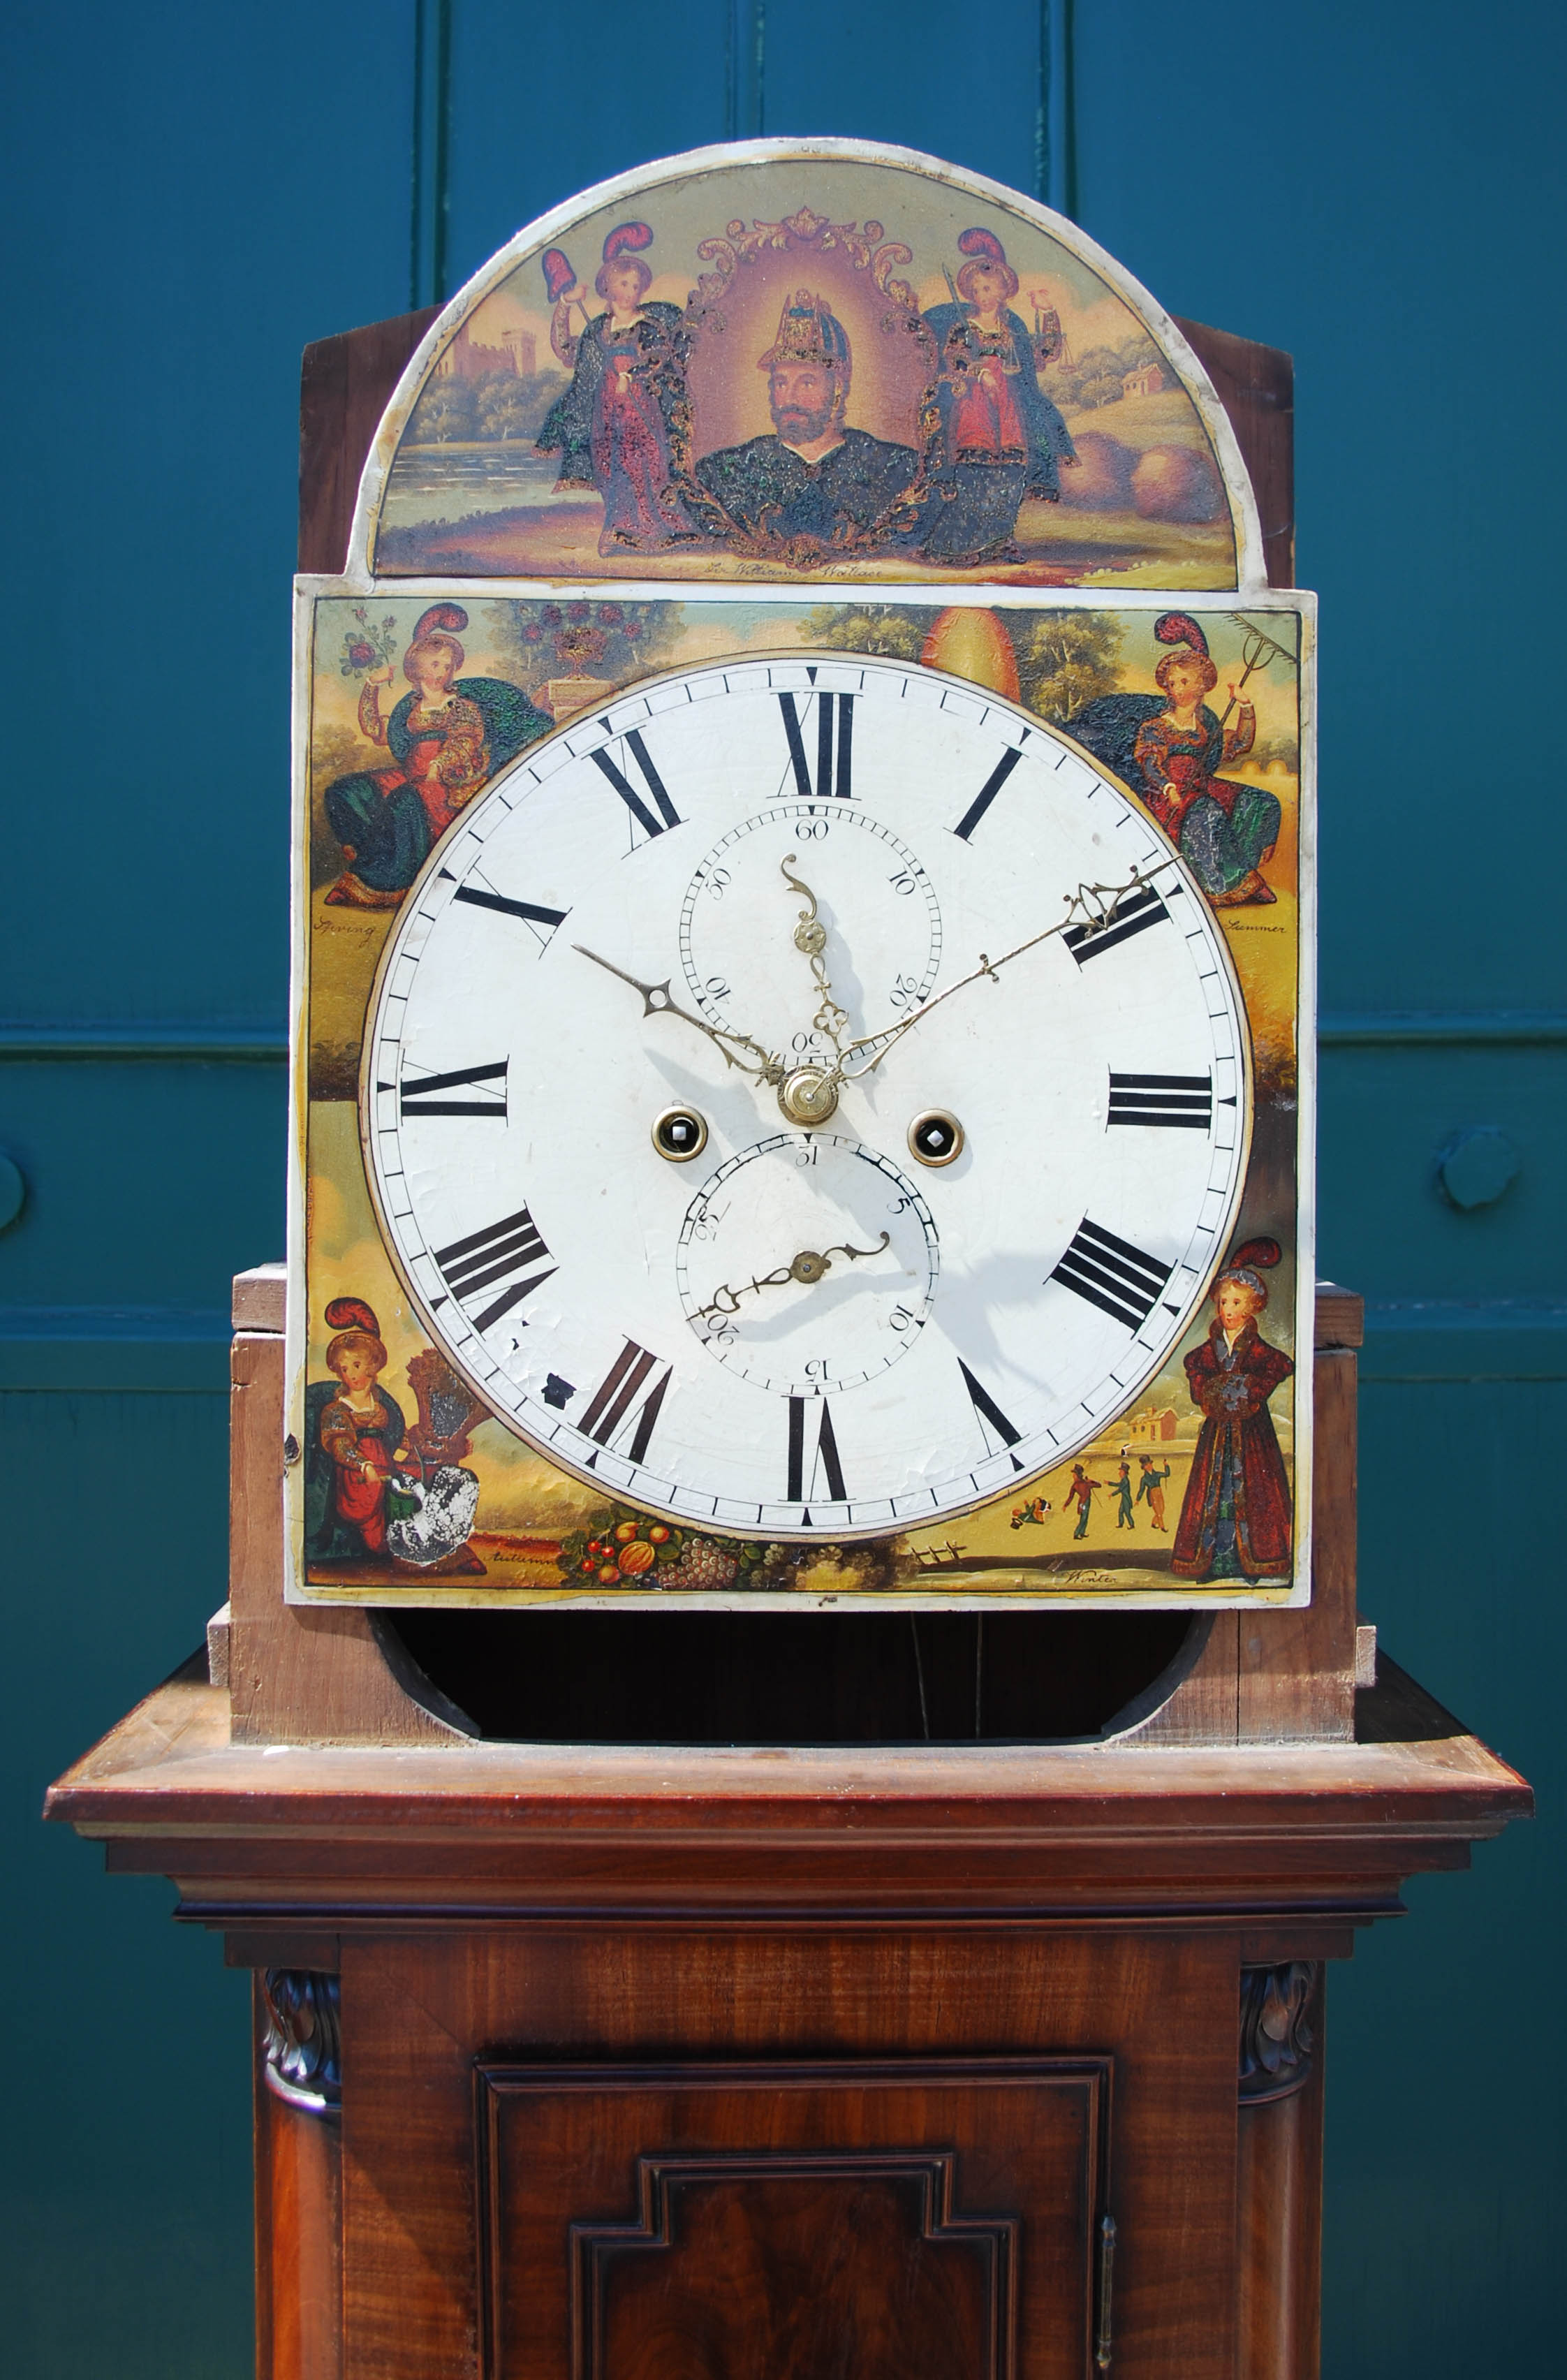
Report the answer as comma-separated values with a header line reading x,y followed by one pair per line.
x,y
656,1002
1093,905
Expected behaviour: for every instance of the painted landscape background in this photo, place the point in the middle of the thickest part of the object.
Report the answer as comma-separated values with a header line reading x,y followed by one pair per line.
x,y
1143,503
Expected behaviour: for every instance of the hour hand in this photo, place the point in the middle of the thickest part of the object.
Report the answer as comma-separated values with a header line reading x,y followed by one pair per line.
x,y
657,1001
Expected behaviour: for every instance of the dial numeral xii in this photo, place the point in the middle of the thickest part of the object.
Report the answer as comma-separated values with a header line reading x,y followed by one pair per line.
x,y
833,776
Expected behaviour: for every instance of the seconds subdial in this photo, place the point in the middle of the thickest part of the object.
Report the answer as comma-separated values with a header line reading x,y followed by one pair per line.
x,y
874,899
808,1263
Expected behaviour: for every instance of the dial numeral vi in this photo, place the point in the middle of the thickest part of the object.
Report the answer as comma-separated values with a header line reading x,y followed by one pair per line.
x,y
825,1463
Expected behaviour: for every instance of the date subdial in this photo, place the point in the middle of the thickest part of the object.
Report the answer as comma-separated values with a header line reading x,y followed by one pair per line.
x,y
882,922
821,1327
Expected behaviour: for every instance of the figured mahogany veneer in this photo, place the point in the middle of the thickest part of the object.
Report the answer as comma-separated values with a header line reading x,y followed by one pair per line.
x,y
693,2059
853,2217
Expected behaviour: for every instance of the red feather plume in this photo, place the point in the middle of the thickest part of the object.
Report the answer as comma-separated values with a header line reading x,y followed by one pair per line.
x,y
450,617
1259,1254
627,236
1179,629
979,242
352,1313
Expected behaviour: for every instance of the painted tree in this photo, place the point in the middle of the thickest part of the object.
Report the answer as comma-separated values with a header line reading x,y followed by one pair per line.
x,y
445,411
1064,660
893,631
503,407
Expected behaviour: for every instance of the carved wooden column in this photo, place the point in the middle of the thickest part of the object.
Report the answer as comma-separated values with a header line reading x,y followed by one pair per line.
x,y
1278,2172
299,2177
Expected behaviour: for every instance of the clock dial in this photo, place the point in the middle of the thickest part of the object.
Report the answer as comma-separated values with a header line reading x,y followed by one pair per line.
x,y
910,899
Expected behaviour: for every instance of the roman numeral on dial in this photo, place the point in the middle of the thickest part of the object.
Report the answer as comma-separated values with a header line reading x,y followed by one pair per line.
x,y
991,1419
532,913
833,776
622,1393
987,793
424,1096
1133,915
824,1463
1111,1273
1181,1102
653,783
512,1247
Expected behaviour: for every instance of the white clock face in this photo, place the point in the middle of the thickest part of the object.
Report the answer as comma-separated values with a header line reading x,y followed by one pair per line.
x,y
655,1159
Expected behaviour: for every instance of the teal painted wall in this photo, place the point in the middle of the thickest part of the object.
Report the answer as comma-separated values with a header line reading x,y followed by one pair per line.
x,y
196,191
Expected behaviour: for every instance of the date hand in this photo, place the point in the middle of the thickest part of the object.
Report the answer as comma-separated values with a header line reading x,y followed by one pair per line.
x,y
656,1002
1092,907
808,1266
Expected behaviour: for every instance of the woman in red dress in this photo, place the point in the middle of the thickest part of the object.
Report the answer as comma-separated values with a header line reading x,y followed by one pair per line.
x,y
359,1438
613,426
1003,438
1224,826
438,746
1236,1517
1171,747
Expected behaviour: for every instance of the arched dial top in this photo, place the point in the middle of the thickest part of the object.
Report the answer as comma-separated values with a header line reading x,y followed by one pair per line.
x,y
811,901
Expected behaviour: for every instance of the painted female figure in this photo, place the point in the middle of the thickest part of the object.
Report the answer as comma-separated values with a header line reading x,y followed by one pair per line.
x,y
1236,1517
355,1436
615,424
1170,748
1002,438
445,738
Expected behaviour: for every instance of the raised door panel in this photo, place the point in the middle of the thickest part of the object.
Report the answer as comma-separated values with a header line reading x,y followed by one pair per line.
x,y
904,2221
545,2060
